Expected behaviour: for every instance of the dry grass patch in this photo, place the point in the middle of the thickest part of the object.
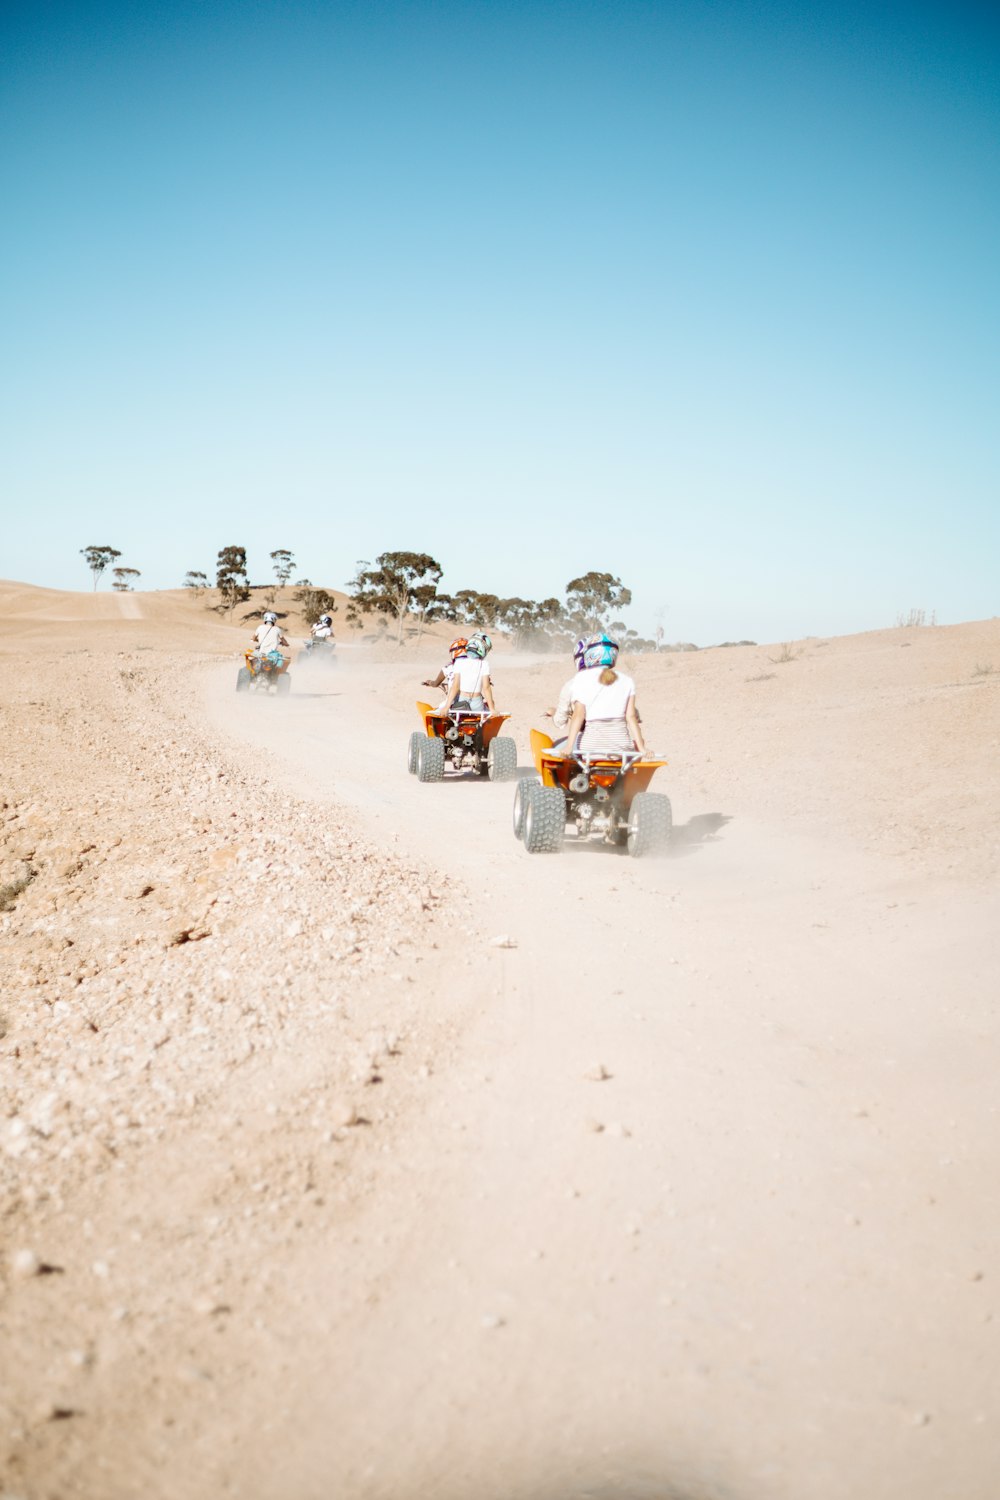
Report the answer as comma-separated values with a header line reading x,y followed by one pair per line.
x,y
10,891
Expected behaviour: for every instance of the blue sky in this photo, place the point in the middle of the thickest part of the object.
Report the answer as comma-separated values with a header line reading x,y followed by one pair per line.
x,y
704,295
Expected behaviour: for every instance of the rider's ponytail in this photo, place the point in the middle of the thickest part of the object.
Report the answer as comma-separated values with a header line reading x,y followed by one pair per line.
x,y
608,676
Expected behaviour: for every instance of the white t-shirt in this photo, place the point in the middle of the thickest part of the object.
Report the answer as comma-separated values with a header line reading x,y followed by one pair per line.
x,y
602,700
321,632
471,674
268,638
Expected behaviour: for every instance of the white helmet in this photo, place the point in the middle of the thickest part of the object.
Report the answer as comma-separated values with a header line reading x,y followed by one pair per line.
x,y
270,618
325,620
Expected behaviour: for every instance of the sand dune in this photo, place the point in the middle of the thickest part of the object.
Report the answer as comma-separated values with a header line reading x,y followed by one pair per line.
x,y
686,1189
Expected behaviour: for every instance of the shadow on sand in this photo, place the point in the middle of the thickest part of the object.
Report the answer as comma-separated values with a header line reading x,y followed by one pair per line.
x,y
688,838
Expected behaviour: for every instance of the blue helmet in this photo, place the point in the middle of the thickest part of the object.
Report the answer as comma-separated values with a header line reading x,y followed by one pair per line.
x,y
479,645
600,651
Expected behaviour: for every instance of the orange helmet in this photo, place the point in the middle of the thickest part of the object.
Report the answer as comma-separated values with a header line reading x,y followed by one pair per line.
x,y
457,647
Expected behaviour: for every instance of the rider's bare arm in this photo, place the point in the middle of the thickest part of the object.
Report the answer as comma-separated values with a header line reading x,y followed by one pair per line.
x,y
434,681
487,690
632,720
577,719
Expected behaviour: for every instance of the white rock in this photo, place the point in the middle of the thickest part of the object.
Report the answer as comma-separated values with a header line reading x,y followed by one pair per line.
x,y
16,1139
25,1263
597,1074
503,941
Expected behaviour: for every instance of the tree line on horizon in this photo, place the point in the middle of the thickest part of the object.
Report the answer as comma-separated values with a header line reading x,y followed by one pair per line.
x,y
403,588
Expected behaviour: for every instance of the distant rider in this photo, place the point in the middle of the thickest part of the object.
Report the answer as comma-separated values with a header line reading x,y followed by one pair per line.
x,y
470,682
603,704
269,636
323,629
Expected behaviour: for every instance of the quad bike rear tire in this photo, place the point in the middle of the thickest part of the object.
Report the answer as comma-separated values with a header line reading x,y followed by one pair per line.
x,y
283,686
501,759
650,822
243,679
430,760
544,819
521,806
413,750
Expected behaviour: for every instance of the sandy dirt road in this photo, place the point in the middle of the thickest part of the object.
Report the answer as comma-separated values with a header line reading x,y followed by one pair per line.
x,y
308,1190
760,1258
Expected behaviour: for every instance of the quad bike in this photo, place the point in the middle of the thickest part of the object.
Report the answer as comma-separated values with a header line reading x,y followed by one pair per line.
x,y
602,796
267,673
464,738
323,650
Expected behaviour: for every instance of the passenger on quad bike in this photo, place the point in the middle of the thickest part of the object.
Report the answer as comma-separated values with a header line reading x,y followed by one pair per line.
x,y
560,714
470,683
603,703
444,676
323,629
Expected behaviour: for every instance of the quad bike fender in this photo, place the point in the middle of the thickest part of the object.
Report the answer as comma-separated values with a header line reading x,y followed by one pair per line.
x,y
492,727
539,744
429,717
638,777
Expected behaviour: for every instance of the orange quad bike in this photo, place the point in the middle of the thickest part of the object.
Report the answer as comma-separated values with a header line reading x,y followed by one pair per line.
x,y
464,739
600,796
267,673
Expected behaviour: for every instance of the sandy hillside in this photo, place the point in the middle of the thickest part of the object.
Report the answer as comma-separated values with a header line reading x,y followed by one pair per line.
x,y
311,1186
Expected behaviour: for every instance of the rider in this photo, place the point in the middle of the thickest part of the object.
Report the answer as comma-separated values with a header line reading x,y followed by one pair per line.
x,y
560,715
444,676
323,629
604,703
269,636
470,680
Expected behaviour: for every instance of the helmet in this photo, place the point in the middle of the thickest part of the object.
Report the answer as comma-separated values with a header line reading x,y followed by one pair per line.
x,y
325,620
578,651
479,645
457,647
270,618
600,651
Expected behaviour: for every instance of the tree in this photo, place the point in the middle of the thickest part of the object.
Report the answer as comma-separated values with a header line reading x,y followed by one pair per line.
x,y
473,608
591,600
389,587
98,559
284,565
231,577
531,623
123,579
196,581
430,605
314,601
